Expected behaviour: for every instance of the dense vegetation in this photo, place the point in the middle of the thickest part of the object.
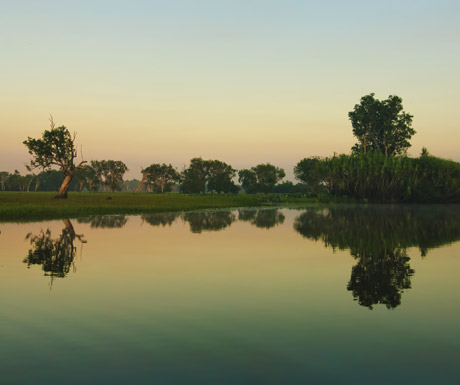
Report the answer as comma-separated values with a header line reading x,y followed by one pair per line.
x,y
374,177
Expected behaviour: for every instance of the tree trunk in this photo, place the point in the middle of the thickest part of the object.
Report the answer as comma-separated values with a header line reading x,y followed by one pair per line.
x,y
163,181
62,193
141,184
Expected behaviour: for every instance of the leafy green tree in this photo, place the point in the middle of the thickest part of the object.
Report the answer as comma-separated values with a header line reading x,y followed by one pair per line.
x,y
88,178
194,177
208,175
261,178
97,177
159,178
113,171
248,180
312,172
381,125
3,179
56,148
220,177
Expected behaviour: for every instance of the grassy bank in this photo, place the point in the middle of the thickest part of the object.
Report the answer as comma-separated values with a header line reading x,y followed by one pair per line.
x,y
35,206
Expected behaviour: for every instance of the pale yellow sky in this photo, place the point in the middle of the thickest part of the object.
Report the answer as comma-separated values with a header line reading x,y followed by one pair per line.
x,y
243,82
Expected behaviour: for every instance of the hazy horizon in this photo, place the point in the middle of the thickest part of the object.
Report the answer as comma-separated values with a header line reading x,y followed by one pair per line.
x,y
245,82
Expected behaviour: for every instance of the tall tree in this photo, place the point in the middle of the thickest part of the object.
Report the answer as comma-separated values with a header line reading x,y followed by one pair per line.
x,y
261,178
194,177
158,177
312,172
3,179
56,148
208,175
113,171
220,177
381,125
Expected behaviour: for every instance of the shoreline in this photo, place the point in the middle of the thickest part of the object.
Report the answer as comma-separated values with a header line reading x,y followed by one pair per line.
x,y
42,206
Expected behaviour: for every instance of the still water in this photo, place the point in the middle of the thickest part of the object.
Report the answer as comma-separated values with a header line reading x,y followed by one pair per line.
x,y
363,295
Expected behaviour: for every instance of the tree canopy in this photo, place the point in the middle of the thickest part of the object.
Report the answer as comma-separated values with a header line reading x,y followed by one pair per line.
x,y
381,125
56,148
261,178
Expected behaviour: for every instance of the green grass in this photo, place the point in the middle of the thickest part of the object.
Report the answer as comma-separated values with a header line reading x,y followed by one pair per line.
x,y
36,206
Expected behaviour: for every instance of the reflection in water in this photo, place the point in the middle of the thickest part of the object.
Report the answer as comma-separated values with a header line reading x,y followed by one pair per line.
x,y
265,218
209,220
166,219
378,237
55,255
105,221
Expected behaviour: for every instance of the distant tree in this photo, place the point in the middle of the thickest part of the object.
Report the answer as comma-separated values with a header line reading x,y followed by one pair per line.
x,y
424,152
27,181
87,178
208,175
98,168
261,178
220,177
56,148
381,125
312,172
113,171
130,185
49,180
194,178
15,181
248,180
158,177
4,175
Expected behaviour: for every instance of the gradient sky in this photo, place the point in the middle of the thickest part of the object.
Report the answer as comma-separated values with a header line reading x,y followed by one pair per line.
x,y
243,81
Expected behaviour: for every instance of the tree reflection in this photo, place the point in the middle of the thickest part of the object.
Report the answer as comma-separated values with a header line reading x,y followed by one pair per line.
x,y
209,220
105,221
264,218
378,238
56,256
166,219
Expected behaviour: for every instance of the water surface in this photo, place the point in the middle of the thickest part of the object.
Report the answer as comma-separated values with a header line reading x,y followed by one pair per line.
x,y
273,296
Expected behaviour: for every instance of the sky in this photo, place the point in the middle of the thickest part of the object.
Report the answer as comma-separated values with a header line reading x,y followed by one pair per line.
x,y
242,81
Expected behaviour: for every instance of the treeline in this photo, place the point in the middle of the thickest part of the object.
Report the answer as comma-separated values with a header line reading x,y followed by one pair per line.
x,y
376,177
104,175
371,176
202,176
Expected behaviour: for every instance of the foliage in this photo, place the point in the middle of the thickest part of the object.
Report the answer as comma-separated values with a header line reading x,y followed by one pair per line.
x,y
55,149
381,125
374,177
208,175
159,178
113,171
261,178
312,172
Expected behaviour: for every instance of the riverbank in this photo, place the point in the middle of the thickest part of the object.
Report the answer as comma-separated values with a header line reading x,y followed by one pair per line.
x,y
36,206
